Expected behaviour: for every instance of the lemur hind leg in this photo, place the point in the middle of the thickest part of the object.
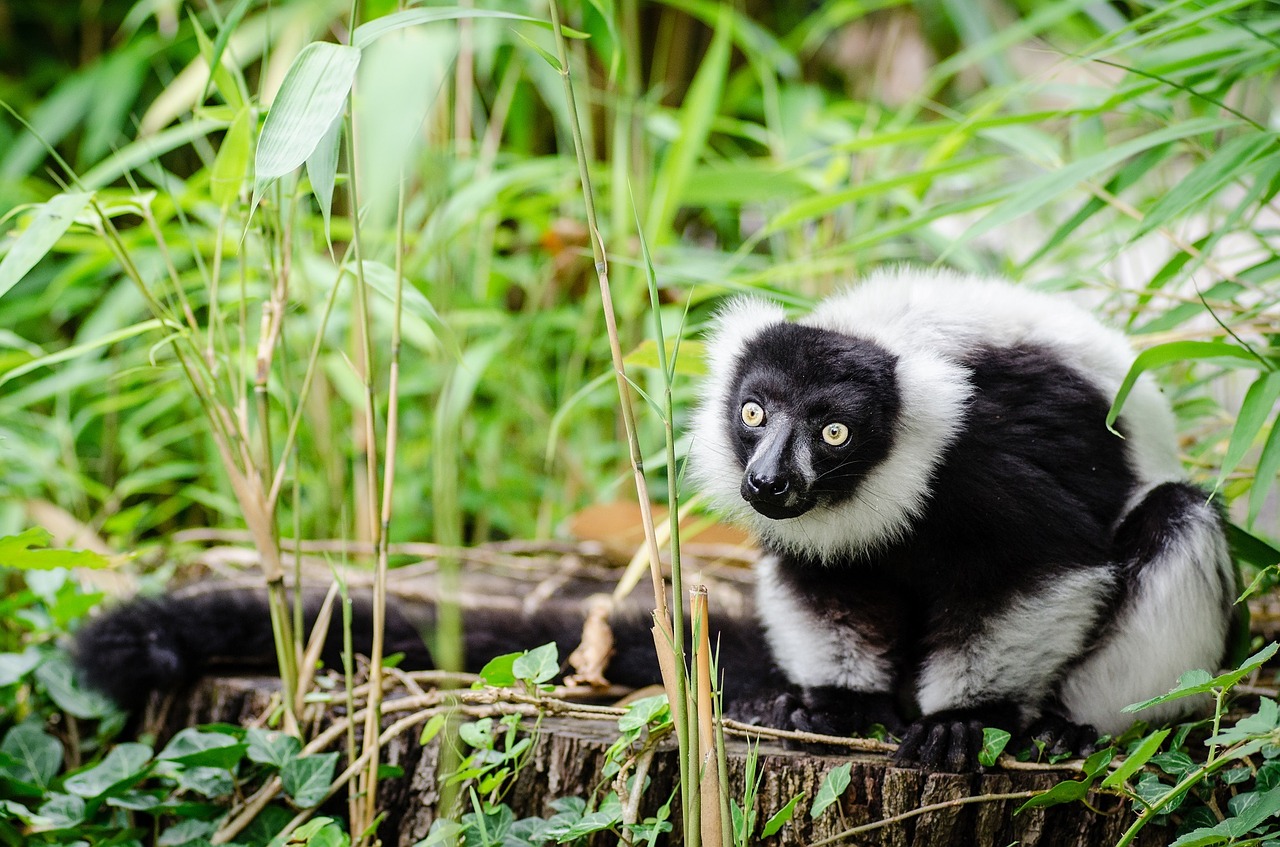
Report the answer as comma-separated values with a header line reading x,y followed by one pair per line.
x,y
1174,612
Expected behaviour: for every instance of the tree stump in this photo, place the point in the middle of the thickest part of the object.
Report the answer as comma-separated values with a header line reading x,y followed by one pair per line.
x,y
569,754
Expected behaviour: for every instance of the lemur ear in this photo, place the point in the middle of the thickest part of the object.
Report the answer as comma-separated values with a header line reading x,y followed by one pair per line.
x,y
736,323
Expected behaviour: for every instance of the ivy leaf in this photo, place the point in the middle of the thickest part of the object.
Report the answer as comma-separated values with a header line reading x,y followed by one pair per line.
x,y
643,711
782,817
124,765
36,755
993,744
307,779
268,747
1064,792
192,747
498,671
832,788
538,665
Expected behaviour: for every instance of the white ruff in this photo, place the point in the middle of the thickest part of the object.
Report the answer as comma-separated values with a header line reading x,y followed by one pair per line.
x,y
930,320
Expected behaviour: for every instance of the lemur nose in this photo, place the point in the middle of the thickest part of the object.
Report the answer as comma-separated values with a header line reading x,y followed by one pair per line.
x,y
769,486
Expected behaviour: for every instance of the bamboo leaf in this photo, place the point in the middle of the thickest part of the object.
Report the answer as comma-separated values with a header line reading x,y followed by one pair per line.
x,y
1225,165
312,96
366,34
1047,187
1135,760
231,165
79,349
1259,403
1264,477
701,105
147,149
1217,352
322,172
54,218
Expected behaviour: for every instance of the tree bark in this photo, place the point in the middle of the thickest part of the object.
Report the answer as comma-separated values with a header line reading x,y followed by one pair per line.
x,y
569,755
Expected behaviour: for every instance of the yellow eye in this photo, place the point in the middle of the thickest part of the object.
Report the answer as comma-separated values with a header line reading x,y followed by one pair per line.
x,y
835,434
752,414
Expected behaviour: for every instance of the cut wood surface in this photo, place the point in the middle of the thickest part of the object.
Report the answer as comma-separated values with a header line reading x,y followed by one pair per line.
x,y
568,759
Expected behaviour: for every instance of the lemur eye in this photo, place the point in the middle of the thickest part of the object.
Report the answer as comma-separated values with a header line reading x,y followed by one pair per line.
x,y
752,414
835,434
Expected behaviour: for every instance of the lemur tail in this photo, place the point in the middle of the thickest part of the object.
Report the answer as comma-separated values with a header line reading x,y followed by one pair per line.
x,y
161,644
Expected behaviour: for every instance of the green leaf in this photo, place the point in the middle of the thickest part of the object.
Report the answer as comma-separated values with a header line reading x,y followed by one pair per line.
x,y
63,811
192,747
1135,760
644,710
993,744
1228,163
54,218
832,788
498,670
1064,792
432,729
1264,476
14,666
1200,682
187,831
538,665
36,755
312,96
317,832
231,165
124,765
365,34
322,172
58,678
24,552
1037,192
782,817
76,350
269,747
690,362
307,779
1216,352
699,110
1259,404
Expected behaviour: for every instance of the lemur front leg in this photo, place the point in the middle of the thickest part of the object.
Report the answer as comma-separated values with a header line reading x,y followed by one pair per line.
x,y
1004,669
836,644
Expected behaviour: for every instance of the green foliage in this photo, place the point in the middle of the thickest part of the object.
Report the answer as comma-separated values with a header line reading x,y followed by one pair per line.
x,y
156,215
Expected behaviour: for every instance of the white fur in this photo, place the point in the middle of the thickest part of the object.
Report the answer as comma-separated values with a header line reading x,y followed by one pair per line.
x,y
1018,652
930,320
1174,620
811,650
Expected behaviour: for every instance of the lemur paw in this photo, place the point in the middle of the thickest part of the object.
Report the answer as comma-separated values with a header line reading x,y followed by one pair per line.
x,y
829,710
942,742
1055,736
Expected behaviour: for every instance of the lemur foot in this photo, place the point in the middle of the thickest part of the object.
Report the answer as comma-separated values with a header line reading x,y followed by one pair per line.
x,y
1055,736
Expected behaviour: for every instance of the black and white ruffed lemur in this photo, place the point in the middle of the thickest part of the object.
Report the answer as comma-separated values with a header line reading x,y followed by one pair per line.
x,y
952,536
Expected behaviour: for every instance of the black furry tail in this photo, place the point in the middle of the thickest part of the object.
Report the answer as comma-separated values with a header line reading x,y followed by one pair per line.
x,y
166,643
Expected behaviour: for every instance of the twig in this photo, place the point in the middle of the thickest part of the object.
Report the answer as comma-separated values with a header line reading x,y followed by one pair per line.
x,y
924,810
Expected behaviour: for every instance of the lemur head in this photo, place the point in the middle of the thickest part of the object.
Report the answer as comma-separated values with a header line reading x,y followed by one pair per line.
x,y
809,413
821,436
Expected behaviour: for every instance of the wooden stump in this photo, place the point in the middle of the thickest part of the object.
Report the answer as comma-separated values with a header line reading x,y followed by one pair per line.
x,y
569,755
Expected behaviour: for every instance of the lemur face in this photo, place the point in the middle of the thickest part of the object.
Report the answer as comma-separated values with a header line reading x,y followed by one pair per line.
x,y
811,412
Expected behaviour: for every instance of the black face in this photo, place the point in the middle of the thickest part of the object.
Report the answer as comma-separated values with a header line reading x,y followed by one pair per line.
x,y
811,412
